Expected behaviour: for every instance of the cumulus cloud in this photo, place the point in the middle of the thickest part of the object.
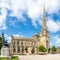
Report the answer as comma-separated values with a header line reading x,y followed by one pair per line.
x,y
4,5
3,14
52,25
33,8
57,40
8,38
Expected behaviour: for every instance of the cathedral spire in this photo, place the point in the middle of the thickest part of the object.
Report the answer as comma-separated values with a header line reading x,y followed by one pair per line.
x,y
44,26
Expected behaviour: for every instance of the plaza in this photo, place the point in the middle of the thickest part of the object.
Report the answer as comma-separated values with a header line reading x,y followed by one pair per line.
x,y
40,57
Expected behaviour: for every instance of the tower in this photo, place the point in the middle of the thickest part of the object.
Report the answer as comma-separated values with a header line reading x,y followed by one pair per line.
x,y
36,37
44,35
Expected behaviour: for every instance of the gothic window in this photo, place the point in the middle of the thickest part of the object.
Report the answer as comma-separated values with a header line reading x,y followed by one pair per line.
x,y
18,42
26,49
33,50
46,44
18,49
22,49
14,50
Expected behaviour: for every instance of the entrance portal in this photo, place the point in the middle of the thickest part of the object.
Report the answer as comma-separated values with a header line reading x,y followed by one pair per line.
x,y
33,50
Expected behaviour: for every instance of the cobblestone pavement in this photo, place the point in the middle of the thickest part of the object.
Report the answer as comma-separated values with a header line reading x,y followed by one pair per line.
x,y
40,57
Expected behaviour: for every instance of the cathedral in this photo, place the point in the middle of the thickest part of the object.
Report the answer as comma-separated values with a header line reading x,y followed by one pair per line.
x,y
22,45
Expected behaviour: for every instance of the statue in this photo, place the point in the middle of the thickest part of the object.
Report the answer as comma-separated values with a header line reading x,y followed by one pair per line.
x,y
5,48
4,43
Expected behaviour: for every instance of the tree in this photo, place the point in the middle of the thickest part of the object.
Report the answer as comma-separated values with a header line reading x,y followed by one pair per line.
x,y
0,43
53,49
42,48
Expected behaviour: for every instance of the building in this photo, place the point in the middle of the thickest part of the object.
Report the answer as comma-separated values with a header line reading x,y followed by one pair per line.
x,y
22,45
44,35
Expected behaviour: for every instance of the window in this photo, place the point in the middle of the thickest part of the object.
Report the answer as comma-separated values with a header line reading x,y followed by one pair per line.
x,y
47,44
18,42
14,50
18,49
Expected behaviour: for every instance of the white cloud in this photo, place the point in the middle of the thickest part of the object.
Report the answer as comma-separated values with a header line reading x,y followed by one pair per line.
x,y
18,35
4,5
53,26
57,40
33,8
13,23
52,6
8,38
18,8
3,18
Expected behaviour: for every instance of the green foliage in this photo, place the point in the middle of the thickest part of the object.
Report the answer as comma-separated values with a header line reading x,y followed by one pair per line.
x,y
6,43
14,58
53,49
3,58
42,48
0,42
7,58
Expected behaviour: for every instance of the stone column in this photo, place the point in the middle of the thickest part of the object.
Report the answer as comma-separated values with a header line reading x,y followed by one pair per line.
x,y
16,49
11,49
35,50
16,46
29,50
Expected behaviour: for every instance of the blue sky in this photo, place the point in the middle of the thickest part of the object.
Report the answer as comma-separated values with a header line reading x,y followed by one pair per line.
x,y
24,18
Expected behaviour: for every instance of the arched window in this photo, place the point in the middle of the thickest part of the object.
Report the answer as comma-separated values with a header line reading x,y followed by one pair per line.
x,y
18,42
26,49
18,49
47,44
14,50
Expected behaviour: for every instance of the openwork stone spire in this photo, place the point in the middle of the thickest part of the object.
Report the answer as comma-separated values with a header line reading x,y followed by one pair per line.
x,y
44,26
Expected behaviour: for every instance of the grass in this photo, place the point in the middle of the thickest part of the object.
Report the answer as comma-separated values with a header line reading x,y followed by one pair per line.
x,y
3,58
12,58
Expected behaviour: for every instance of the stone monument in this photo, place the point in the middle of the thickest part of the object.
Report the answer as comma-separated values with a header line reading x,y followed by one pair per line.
x,y
4,49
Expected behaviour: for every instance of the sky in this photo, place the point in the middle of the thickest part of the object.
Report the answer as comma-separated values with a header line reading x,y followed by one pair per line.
x,y
24,18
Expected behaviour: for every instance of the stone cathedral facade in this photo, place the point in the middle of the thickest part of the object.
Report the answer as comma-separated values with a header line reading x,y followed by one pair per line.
x,y
22,45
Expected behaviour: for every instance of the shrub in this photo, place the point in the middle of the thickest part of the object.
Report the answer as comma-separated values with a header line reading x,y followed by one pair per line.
x,y
42,48
14,58
0,43
53,49
4,58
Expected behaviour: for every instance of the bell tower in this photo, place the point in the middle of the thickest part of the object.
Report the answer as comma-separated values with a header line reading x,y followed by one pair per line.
x,y
44,35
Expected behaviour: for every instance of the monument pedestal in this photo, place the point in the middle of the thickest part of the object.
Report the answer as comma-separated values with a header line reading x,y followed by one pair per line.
x,y
4,51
